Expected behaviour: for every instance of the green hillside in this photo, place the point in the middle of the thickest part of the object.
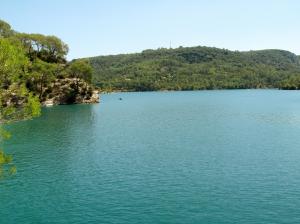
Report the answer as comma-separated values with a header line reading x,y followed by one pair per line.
x,y
196,68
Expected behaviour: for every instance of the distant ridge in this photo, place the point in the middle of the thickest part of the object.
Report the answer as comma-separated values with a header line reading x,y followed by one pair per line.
x,y
197,68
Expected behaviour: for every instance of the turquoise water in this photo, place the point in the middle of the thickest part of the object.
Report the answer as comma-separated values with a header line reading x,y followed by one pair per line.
x,y
161,157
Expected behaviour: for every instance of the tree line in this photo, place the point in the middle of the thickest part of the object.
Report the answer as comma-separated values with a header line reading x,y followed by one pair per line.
x,y
196,68
28,64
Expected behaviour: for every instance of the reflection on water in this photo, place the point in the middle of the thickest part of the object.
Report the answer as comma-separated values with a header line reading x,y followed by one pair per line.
x,y
172,157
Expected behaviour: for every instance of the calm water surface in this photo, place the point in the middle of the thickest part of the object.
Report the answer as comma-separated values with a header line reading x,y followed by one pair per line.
x,y
170,157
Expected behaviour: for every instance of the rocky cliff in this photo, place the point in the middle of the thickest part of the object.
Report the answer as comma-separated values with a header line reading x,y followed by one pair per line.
x,y
69,91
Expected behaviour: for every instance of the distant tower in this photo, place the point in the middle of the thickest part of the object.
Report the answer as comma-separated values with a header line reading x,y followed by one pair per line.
x,y
170,45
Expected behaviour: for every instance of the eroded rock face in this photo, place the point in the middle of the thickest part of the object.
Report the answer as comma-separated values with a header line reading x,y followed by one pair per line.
x,y
69,91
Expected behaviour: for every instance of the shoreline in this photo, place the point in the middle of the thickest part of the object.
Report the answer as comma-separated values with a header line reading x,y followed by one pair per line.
x,y
133,91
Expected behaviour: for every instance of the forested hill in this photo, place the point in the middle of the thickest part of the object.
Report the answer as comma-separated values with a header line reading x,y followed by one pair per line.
x,y
34,70
197,68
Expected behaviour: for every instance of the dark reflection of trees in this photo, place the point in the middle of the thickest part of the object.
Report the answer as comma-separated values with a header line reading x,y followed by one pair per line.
x,y
53,139
51,155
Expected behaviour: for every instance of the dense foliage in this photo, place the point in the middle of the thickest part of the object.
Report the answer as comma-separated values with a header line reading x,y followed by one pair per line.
x,y
28,64
197,68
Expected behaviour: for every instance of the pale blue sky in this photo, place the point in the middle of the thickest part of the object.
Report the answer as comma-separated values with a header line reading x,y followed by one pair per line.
x,y
101,27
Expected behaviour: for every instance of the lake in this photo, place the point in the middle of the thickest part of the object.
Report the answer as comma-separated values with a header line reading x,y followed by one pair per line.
x,y
159,157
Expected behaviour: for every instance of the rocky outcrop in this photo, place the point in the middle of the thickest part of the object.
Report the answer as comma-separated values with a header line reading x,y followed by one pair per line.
x,y
69,91
14,96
